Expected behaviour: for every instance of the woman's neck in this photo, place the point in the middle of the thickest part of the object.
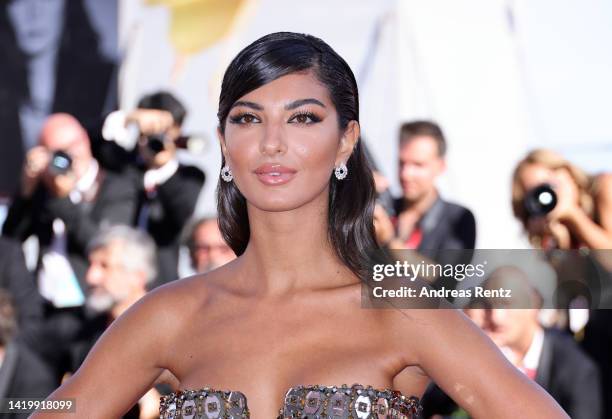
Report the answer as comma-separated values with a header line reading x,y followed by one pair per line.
x,y
290,251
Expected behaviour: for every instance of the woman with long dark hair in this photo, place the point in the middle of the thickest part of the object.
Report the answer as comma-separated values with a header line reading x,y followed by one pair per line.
x,y
282,324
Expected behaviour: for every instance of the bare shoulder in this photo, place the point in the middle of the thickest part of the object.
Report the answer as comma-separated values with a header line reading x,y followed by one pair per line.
x,y
134,350
167,304
178,300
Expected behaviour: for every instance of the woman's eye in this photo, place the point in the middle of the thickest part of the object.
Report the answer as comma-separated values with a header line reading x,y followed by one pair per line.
x,y
245,118
305,118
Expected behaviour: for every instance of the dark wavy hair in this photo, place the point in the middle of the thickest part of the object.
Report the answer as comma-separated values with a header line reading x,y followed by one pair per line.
x,y
351,201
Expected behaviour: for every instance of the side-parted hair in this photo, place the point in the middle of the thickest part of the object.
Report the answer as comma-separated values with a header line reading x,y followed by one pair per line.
x,y
351,200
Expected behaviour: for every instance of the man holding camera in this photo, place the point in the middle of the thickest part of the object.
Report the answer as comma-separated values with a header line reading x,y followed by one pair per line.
x,y
169,189
65,198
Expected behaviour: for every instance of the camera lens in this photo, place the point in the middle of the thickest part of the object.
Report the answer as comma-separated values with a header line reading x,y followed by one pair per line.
x,y
61,163
540,200
155,143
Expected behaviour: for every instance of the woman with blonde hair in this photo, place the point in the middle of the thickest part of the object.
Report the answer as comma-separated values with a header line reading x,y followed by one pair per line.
x,y
582,216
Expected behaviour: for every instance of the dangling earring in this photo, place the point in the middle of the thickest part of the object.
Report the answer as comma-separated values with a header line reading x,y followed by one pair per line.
x,y
226,174
341,171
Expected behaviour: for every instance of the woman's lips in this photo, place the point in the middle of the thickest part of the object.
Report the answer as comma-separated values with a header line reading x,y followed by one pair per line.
x,y
274,174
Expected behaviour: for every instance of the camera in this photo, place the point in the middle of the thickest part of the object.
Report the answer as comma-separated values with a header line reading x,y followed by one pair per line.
x,y
155,142
540,200
193,143
60,163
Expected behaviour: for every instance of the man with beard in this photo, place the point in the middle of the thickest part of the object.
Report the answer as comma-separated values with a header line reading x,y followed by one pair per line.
x,y
122,261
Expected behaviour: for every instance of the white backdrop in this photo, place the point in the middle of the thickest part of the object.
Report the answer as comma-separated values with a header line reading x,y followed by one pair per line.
x,y
497,79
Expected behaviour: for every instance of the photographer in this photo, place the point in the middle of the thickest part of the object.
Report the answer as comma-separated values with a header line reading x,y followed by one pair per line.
x,y
169,189
578,211
561,207
65,198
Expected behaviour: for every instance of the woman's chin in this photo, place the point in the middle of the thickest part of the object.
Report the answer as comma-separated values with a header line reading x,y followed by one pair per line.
x,y
278,204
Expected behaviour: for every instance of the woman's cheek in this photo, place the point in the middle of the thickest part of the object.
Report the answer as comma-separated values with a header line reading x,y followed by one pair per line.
x,y
240,146
317,149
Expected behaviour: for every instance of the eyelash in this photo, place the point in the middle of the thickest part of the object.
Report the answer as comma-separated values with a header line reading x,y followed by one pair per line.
x,y
313,118
239,118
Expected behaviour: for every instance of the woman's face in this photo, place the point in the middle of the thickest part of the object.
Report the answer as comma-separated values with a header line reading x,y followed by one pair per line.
x,y
37,23
282,142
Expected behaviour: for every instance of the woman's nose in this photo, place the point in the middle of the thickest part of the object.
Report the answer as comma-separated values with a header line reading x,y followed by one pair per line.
x,y
273,141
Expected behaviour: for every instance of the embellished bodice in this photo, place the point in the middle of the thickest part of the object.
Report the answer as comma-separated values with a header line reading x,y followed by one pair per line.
x,y
309,402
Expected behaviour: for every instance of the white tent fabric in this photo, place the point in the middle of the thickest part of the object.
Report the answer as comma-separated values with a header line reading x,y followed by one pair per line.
x,y
501,77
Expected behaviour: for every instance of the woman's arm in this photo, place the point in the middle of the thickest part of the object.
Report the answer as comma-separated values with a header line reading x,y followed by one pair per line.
x,y
471,370
593,235
124,363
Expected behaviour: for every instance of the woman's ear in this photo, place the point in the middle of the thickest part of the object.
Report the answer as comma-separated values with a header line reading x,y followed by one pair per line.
x,y
347,142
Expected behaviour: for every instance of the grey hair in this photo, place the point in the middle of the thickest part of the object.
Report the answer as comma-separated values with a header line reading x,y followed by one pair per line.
x,y
138,248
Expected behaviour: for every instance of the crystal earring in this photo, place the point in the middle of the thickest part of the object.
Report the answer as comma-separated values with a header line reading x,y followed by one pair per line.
x,y
341,171
226,174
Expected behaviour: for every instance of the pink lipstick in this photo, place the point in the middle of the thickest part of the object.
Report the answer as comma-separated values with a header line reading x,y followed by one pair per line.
x,y
274,174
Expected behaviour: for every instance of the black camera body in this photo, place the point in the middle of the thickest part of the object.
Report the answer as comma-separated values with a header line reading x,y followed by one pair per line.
x,y
60,163
540,200
155,142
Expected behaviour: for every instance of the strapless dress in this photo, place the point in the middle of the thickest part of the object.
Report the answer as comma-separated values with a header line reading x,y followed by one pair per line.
x,y
304,402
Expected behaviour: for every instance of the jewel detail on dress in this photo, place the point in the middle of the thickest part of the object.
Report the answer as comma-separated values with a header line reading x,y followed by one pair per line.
x,y
310,402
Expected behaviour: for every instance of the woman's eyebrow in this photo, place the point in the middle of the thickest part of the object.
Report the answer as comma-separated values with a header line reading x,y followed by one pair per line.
x,y
248,104
300,102
290,106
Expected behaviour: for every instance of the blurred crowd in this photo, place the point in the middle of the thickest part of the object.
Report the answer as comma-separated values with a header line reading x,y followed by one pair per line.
x,y
110,208
104,206
103,221
564,212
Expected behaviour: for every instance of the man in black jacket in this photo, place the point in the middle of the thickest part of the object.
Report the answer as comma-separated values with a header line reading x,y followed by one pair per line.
x,y
424,220
438,230
170,189
65,198
550,357
144,141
